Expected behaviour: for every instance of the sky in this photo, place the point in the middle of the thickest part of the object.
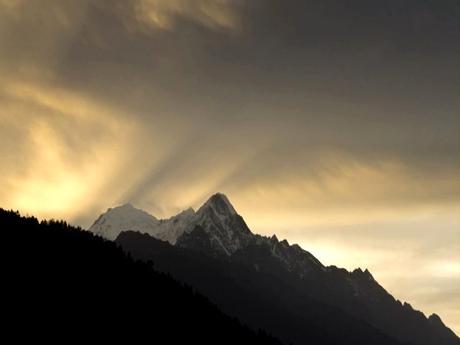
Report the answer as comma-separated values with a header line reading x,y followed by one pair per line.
x,y
334,124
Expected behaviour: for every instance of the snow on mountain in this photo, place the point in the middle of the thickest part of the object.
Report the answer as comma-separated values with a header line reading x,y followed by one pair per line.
x,y
216,222
171,229
295,258
226,229
122,218
220,205
126,217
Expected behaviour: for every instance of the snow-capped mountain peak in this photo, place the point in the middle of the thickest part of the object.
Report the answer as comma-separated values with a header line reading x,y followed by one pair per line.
x,y
216,222
122,218
219,204
226,229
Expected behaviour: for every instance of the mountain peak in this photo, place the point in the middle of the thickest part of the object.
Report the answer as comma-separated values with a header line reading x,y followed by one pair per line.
x,y
187,212
434,318
226,229
220,204
122,218
127,205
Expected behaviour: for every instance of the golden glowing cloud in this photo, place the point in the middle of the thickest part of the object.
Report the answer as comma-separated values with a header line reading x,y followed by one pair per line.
x,y
69,161
162,14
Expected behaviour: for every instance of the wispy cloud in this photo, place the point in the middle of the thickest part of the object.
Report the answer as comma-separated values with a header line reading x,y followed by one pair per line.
x,y
163,14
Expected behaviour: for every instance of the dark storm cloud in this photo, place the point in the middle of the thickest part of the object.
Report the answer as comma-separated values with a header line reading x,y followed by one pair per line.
x,y
365,75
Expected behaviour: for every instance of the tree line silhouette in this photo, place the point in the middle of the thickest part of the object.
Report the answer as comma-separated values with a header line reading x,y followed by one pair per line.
x,y
65,284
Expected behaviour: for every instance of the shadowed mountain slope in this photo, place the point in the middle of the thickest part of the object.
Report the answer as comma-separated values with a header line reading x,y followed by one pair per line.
x,y
261,299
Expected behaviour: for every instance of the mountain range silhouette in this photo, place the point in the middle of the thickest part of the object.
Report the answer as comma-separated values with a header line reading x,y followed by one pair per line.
x,y
243,269
199,276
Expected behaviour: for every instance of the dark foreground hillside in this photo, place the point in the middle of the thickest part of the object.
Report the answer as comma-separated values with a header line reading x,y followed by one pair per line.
x,y
66,284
